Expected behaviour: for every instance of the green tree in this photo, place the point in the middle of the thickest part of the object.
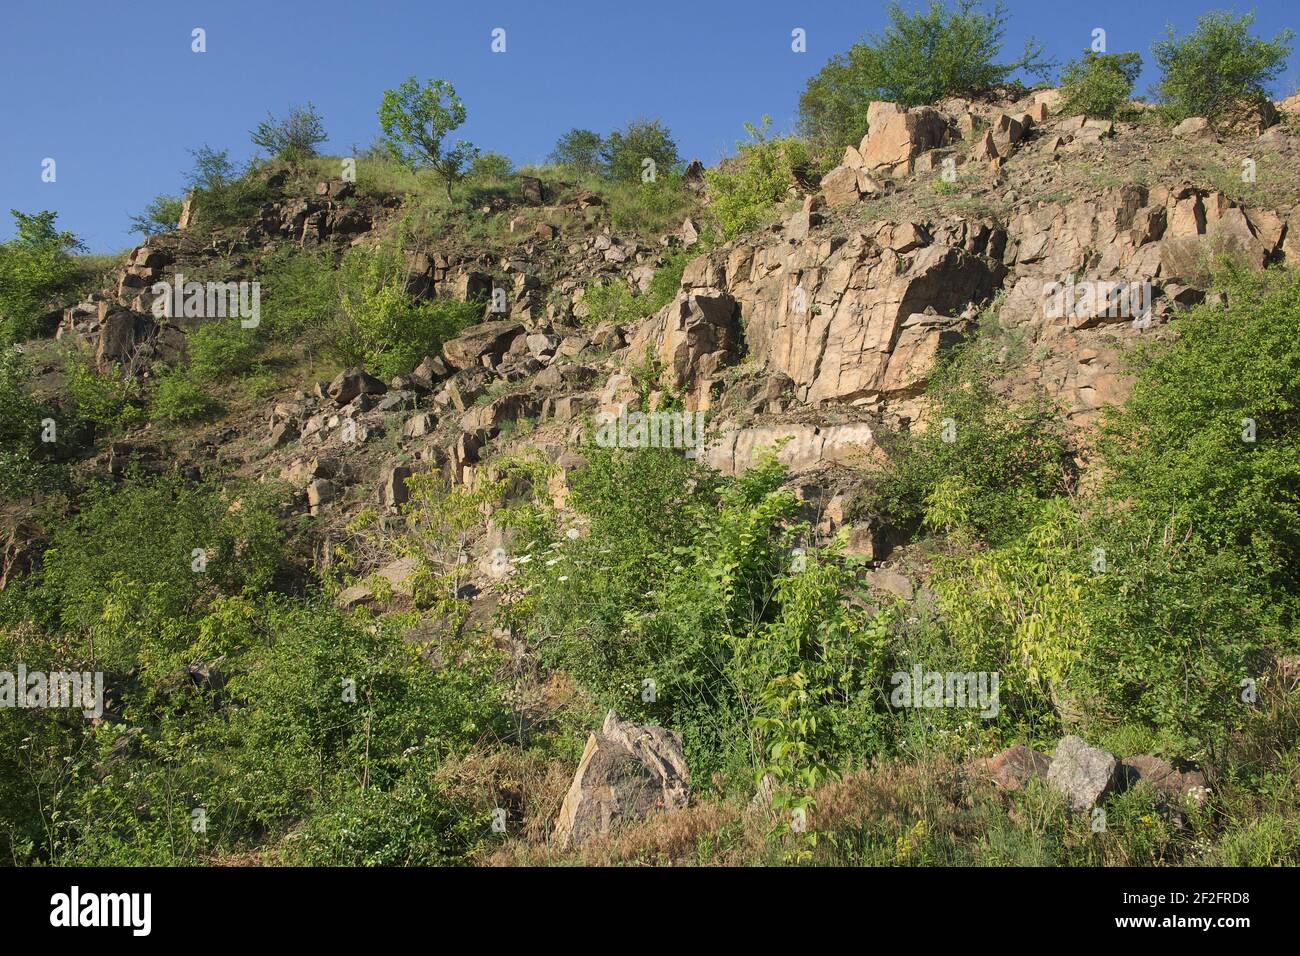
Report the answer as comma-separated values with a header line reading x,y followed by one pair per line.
x,y
920,58
1216,65
579,149
161,215
294,136
1099,84
626,151
35,266
416,122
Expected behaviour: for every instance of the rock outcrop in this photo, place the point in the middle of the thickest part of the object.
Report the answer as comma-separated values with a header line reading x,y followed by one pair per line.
x,y
626,772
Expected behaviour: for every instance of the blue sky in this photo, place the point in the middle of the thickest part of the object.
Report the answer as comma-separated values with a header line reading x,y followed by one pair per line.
x,y
113,93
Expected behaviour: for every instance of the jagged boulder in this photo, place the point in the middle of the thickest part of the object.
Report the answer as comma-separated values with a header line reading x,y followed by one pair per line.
x,y
695,336
897,137
1082,774
347,385
627,771
490,339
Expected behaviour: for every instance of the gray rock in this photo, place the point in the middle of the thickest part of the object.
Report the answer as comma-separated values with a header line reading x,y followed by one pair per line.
x,y
626,772
1083,774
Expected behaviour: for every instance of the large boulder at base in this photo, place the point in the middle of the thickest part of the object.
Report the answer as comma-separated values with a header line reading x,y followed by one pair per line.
x,y
486,338
626,772
1083,774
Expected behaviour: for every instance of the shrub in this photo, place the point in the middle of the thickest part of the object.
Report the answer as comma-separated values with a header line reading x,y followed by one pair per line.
x,y
161,215
108,400
120,577
1099,84
36,266
222,349
640,147
1002,460
22,453
491,166
1216,65
221,195
294,137
744,196
919,59
1179,446
301,295
178,397
614,301
382,326
580,150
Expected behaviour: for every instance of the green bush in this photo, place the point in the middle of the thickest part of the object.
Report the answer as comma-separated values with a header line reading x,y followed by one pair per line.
x,y
379,324
613,301
108,400
1178,448
1099,84
981,466
120,575
919,59
221,350
221,195
625,152
681,607
744,196
36,266
179,397
23,466
295,136
580,150
1217,65
160,215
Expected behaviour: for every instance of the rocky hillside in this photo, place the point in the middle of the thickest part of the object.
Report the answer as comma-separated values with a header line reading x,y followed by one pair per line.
x,y
435,503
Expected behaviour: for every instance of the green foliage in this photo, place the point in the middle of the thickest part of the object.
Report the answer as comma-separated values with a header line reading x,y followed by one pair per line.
x,y
1179,446
36,266
1002,459
301,295
613,301
221,195
160,215
680,606
23,465
491,166
628,153
919,59
580,150
416,120
1217,64
1099,84
379,324
221,350
744,196
109,400
294,136
180,397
